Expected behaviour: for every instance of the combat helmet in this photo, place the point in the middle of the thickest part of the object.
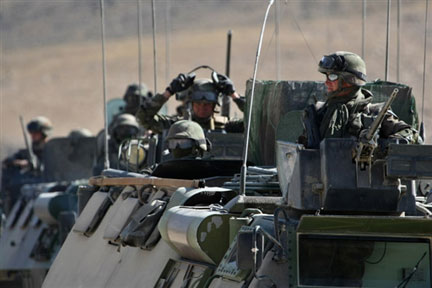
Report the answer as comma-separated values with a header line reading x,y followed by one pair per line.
x,y
203,90
124,126
80,133
132,97
185,134
349,65
40,124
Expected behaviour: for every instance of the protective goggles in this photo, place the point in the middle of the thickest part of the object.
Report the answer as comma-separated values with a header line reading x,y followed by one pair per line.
x,y
333,62
332,77
338,63
180,143
204,96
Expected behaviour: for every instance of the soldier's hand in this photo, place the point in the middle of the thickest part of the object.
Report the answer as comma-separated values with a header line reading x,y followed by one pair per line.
x,y
21,163
364,140
181,83
225,85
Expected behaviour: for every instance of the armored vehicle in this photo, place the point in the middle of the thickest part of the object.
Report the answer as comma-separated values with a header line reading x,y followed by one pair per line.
x,y
44,212
308,217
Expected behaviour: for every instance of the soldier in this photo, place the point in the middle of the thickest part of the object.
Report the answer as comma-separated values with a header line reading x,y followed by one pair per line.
x,y
203,93
132,97
123,127
20,168
39,129
348,111
186,139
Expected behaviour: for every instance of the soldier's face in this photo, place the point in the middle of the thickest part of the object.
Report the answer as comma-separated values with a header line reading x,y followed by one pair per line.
x,y
203,109
36,136
331,85
334,85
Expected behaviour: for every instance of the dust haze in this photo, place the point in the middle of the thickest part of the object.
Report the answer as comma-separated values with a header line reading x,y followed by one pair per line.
x,y
51,61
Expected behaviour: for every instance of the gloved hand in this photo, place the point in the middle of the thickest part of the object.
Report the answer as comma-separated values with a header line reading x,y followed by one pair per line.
x,y
181,83
363,139
225,85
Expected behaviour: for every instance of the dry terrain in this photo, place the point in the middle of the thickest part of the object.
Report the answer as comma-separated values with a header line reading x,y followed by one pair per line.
x,y
51,51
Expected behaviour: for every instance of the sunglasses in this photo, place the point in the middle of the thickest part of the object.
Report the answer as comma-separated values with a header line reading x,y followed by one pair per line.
x,y
332,77
180,143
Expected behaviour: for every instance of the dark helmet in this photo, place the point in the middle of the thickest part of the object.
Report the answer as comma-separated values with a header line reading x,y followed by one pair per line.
x,y
132,97
186,130
135,90
349,65
204,90
80,133
40,124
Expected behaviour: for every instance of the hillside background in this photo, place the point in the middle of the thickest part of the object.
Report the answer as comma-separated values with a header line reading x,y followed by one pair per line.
x,y
51,50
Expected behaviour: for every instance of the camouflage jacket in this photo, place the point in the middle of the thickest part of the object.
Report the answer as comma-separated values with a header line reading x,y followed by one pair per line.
x,y
347,116
149,118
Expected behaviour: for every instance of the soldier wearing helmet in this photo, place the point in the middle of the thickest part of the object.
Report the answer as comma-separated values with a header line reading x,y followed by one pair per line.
x,y
186,139
348,110
203,95
25,166
133,95
123,127
39,129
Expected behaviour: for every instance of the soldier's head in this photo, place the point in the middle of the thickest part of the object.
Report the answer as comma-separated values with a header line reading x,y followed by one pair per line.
x,y
186,138
204,97
132,97
124,126
344,72
39,129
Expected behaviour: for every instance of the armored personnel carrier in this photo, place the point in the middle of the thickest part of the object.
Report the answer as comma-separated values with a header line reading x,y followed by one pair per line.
x,y
44,212
308,217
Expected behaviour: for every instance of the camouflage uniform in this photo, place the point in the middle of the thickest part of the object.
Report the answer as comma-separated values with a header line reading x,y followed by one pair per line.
x,y
148,117
188,90
348,115
348,111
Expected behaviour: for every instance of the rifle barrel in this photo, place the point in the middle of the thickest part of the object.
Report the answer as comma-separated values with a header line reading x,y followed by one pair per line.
x,y
379,119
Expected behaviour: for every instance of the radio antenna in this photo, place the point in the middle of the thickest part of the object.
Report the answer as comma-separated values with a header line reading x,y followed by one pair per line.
x,y
246,143
387,42
154,45
139,50
102,17
422,132
363,28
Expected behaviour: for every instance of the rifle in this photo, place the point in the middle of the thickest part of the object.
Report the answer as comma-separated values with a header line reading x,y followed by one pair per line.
x,y
32,157
367,144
